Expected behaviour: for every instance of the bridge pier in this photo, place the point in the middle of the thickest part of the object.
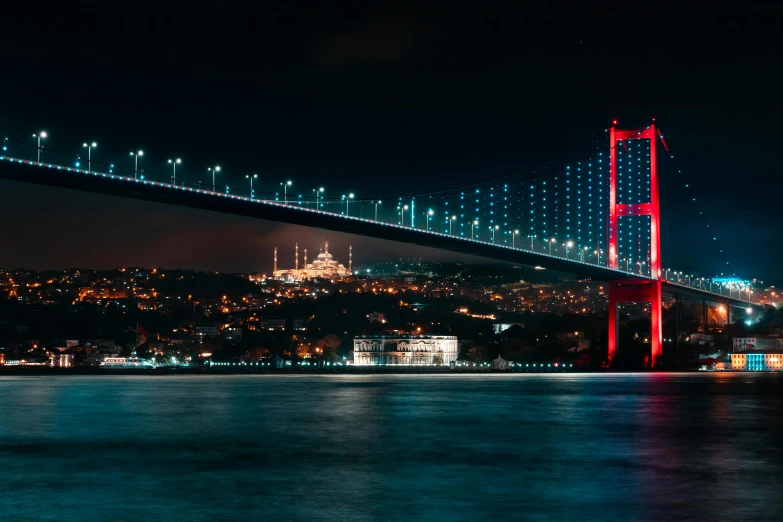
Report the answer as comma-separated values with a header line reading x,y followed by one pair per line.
x,y
678,305
704,315
637,291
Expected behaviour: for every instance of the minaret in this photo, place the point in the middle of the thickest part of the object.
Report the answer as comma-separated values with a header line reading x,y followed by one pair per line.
x,y
296,257
305,263
275,270
326,247
350,259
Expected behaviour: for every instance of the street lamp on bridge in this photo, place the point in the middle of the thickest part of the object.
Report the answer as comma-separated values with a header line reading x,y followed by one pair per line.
x,y
514,235
428,215
551,242
89,147
251,178
174,164
568,245
347,201
41,136
493,232
285,190
136,162
453,218
214,170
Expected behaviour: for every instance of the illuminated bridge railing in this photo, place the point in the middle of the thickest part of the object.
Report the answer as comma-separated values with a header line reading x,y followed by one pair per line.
x,y
704,284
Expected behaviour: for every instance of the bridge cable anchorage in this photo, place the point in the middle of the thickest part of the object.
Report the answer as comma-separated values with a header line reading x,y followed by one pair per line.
x,y
701,212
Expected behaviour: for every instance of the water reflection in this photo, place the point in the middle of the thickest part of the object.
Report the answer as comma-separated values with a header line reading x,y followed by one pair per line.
x,y
654,446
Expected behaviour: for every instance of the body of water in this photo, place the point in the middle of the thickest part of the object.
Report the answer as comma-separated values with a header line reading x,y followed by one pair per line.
x,y
392,447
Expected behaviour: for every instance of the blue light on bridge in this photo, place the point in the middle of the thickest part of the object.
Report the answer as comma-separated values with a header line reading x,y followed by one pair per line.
x,y
730,280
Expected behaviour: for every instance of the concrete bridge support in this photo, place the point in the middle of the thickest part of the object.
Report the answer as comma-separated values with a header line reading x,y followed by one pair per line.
x,y
637,291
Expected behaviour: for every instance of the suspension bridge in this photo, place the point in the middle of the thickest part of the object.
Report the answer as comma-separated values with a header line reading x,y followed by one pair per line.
x,y
594,211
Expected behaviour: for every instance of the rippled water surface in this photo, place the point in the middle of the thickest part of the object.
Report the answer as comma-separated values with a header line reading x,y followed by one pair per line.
x,y
392,447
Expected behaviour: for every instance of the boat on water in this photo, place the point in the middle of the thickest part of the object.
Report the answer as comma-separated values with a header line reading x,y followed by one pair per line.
x,y
126,362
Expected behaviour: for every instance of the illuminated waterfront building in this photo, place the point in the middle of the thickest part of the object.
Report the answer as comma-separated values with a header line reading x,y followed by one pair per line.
x,y
324,266
758,362
125,362
405,350
61,360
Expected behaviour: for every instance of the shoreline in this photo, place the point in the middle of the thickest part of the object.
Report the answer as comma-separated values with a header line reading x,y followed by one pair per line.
x,y
47,371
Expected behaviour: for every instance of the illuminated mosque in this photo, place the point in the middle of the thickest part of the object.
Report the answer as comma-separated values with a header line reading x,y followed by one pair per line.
x,y
324,266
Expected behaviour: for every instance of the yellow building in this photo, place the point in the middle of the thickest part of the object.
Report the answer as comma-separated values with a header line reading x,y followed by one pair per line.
x,y
757,362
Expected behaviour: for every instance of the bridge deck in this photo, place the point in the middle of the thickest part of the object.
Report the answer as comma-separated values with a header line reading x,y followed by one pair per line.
x,y
128,187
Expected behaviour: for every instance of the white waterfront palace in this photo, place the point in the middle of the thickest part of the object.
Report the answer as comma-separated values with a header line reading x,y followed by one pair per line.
x,y
405,350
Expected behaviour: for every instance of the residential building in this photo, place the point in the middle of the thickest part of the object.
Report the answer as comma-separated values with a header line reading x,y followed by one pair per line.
x,y
744,344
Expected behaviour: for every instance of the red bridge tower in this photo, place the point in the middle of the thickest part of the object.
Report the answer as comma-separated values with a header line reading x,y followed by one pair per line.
x,y
643,290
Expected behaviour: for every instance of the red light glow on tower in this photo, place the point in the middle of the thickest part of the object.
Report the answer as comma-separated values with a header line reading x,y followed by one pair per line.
x,y
640,289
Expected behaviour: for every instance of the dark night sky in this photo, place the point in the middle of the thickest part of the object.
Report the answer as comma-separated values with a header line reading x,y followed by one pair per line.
x,y
358,97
